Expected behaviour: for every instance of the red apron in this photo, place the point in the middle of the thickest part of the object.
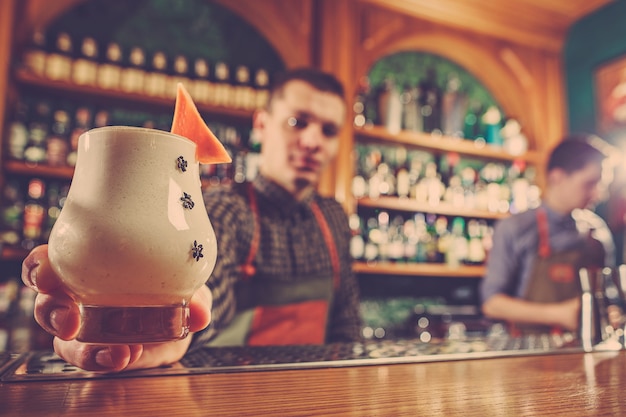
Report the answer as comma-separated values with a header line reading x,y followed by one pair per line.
x,y
554,276
271,312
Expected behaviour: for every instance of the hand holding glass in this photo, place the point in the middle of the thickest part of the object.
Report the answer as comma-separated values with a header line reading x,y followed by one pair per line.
x,y
133,241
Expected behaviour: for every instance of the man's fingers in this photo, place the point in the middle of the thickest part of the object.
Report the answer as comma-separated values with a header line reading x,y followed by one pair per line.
x,y
57,314
200,309
100,358
37,272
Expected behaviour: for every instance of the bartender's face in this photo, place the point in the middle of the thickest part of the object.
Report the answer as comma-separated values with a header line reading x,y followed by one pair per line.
x,y
582,188
299,135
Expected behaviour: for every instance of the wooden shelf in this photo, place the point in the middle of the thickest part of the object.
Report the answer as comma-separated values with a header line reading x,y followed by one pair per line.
x,y
442,144
409,205
28,79
34,170
418,269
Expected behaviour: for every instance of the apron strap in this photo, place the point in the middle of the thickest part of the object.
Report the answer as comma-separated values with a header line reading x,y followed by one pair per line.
x,y
248,269
330,242
544,234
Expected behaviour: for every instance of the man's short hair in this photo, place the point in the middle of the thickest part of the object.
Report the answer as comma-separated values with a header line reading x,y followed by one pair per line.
x,y
320,80
576,151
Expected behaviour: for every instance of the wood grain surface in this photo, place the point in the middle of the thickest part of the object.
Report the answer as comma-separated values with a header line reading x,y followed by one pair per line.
x,y
577,384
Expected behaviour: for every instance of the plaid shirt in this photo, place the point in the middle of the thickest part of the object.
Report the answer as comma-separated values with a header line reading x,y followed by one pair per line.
x,y
291,248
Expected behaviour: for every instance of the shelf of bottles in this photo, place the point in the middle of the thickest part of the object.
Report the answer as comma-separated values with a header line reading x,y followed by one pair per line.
x,y
19,332
433,172
83,67
62,95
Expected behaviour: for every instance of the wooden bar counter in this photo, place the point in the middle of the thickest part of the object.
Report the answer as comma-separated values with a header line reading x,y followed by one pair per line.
x,y
571,384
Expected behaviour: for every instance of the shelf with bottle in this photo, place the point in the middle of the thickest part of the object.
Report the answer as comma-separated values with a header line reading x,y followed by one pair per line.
x,y
414,180
41,145
28,210
420,244
438,143
443,208
104,68
418,269
68,89
99,66
43,132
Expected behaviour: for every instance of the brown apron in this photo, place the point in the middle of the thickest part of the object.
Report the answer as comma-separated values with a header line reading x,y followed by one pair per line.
x,y
554,276
271,312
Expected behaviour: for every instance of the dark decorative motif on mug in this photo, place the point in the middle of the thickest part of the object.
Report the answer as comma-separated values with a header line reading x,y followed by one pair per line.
x,y
196,251
181,163
187,201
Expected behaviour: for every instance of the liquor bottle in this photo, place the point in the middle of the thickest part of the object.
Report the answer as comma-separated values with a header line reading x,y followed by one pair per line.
x,y
357,243
59,61
8,295
223,88
179,74
390,106
18,132
34,214
36,54
475,249
85,66
412,118
430,188
361,176
453,107
22,321
444,238
397,239
491,121
403,178
201,86
458,250
431,239
371,250
430,102
411,241
239,163
82,123
53,204
12,212
244,93
57,142
381,236
359,119
365,104
101,118
261,86
472,123
132,76
422,236
109,71
38,128
155,81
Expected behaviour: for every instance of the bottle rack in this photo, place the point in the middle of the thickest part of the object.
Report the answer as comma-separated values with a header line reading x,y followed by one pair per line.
x,y
31,82
27,79
436,144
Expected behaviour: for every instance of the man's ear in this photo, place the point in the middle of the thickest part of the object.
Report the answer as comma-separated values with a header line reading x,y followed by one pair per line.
x,y
259,119
556,175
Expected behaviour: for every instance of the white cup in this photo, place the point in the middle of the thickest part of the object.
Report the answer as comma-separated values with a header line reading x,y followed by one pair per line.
x,y
133,241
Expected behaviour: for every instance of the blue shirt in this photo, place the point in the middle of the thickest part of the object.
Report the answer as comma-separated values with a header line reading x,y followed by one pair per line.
x,y
516,242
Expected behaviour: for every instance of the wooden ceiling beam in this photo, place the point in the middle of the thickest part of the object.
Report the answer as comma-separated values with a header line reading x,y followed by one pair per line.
x,y
540,24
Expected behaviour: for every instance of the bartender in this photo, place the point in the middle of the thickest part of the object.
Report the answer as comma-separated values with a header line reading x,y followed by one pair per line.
x,y
284,272
531,279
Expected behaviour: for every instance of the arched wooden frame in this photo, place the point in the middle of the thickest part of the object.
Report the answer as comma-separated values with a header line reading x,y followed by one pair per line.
x,y
495,73
285,24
